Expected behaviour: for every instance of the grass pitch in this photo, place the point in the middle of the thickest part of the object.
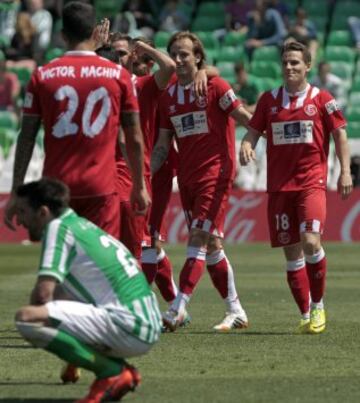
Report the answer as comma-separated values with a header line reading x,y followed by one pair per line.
x,y
266,363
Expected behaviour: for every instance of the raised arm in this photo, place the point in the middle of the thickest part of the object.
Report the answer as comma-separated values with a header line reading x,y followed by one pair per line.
x,y
345,185
24,148
161,149
165,63
130,124
201,79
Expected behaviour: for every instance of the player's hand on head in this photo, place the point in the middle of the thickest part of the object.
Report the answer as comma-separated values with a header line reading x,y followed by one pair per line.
x,y
200,83
345,185
10,213
247,154
140,201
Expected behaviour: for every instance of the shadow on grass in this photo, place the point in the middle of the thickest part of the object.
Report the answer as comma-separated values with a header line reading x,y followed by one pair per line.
x,y
15,346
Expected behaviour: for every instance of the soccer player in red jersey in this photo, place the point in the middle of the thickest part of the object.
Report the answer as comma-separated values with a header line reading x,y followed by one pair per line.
x,y
204,128
81,99
298,120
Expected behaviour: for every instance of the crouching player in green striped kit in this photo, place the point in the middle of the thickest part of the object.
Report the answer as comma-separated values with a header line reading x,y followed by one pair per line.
x,y
113,313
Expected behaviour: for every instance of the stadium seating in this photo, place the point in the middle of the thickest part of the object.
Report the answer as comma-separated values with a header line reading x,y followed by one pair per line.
x,y
353,113
354,98
340,53
226,70
347,8
211,9
340,38
53,53
161,39
23,74
234,38
342,69
107,8
316,8
353,130
339,22
266,53
7,139
232,54
207,24
211,44
8,120
265,69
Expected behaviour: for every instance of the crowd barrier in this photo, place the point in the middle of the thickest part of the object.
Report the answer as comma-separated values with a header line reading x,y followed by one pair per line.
x,y
245,220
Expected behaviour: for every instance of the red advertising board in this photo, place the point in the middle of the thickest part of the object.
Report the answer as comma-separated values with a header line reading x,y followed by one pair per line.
x,y
245,219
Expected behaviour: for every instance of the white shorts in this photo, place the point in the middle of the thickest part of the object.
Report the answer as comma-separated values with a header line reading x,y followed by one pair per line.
x,y
94,327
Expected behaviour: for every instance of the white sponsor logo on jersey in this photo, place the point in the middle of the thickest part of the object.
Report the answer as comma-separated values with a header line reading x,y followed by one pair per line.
x,y
310,109
331,106
172,109
189,124
293,132
227,99
28,101
273,110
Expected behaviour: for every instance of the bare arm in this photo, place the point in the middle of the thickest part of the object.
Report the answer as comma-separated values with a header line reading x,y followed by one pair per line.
x,y
24,148
166,64
248,144
345,185
161,149
135,152
43,291
241,115
201,79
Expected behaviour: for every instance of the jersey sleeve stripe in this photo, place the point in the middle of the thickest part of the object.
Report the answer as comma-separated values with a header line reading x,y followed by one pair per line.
x,y
50,273
50,244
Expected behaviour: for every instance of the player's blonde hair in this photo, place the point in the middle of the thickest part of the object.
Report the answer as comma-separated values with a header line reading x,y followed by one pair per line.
x,y
198,47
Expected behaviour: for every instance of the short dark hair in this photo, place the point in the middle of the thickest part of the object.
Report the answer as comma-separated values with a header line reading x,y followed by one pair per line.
x,y
119,36
298,47
198,47
109,53
79,21
48,192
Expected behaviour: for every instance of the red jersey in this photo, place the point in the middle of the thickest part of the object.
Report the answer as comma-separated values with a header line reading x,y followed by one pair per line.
x,y
80,97
205,133
298,132
148,96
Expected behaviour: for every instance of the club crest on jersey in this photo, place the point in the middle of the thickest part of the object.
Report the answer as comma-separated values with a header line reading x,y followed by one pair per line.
x,y
310,109
201,102
284,238
273,110
172,109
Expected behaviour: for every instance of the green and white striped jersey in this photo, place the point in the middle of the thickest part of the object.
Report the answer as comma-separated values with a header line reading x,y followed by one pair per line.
x,y
97,269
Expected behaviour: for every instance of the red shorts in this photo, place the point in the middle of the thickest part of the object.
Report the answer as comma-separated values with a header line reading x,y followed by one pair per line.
x,y
134,229
103,211
131,229
161,193
292,213
204,205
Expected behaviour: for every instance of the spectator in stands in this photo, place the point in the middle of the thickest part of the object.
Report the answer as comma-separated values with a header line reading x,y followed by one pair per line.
x,y
42,21
23,50
303,30
8,13
354,24
125,22
266,27
171,18
282,8
142,13
9,87
236,14
329,81
244,89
